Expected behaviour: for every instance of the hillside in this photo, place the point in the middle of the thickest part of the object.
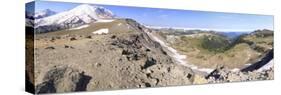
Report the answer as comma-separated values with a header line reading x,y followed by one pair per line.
x,y
208,49
125,56
259,40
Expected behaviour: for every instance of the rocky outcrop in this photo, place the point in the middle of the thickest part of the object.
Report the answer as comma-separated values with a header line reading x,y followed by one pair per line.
x,y
63,79
222,74
170,74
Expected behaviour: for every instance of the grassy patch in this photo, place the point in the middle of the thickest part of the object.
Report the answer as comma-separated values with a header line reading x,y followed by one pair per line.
x,y
215,44
209,50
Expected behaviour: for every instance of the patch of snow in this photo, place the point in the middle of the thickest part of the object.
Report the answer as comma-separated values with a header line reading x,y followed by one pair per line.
x,y
248,64
235,70
128,26
206,70
101,31
176,56
104,21
80,27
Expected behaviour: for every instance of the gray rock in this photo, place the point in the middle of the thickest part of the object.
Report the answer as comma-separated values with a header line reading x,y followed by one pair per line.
x,y
63,79
171,74
222,74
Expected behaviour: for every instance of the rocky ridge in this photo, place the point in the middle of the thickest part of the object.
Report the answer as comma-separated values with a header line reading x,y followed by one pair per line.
x,y
126,60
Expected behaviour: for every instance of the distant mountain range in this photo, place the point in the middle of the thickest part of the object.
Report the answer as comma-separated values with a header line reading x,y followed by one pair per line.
x,y
232,35
198,29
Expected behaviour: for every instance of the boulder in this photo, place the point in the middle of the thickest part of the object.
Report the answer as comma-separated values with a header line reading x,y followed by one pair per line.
x,y
171,74
63,79
222,74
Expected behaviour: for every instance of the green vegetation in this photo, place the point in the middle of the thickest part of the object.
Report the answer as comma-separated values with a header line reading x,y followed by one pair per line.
x,y
206,43
215,43
210,49
260,40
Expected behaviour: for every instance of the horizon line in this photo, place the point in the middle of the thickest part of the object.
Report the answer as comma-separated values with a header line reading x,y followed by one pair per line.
x,y
208,29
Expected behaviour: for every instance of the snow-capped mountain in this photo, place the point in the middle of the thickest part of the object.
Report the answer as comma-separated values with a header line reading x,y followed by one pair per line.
x,y
29,15
29,19
75,17
44,13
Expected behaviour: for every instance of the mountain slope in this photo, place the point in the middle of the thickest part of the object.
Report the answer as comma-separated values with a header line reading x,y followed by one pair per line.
x,y
259,40
209,49
124,57
80,15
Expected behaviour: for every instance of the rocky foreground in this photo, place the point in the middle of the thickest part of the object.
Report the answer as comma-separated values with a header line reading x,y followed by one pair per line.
x,y
126,57
109,65
223,75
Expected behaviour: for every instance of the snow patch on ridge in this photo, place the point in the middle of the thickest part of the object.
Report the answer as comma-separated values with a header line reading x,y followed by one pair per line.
x,y
235,70
181,59
104,21
101,31
80,27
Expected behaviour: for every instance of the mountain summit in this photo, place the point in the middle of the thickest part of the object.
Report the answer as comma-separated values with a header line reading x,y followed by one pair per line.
x,y
96,12
77,16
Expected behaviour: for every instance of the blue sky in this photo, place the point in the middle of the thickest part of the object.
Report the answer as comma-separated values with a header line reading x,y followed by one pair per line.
x,y
178,18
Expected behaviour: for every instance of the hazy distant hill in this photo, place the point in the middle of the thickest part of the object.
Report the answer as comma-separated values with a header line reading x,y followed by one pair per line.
x,y
233,35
